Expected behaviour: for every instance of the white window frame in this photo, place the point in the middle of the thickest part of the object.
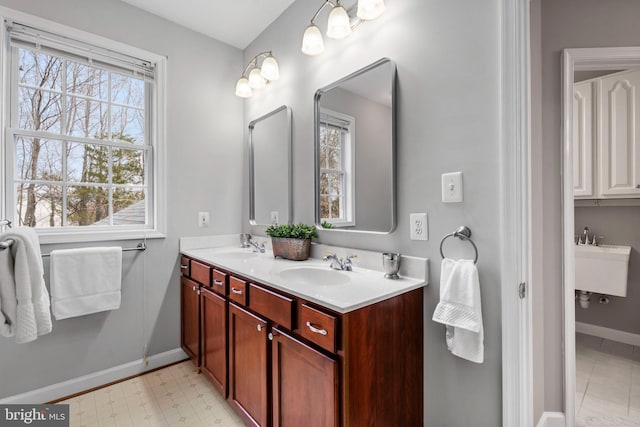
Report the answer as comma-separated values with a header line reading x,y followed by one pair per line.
x,y
156,208
348,164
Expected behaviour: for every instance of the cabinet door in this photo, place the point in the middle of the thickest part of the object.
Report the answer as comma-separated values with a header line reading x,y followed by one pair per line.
x,y
619,146
189,318
583,139
213,331
248,366
305,384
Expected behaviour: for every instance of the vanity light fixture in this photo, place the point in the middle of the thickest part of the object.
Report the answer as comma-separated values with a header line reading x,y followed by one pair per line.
x,y
259,76
339,24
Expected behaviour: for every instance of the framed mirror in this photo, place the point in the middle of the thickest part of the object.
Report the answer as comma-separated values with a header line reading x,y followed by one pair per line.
x,y
355,151
270,183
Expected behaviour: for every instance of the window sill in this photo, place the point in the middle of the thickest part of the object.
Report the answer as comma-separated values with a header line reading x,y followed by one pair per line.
x,y
47,238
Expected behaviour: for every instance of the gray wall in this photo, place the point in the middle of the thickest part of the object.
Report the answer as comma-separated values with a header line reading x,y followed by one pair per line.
x,y
204,128
448,59
619,226
373,156
567,24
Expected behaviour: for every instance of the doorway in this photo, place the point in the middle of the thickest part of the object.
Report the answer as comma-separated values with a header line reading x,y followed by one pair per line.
x,y
600,362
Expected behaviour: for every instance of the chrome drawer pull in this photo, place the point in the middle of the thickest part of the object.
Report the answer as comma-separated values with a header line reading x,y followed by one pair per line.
x,y
236,291
217,282
183,267
316,330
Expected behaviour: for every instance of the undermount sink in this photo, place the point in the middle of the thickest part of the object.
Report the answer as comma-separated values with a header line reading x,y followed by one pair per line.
x,y
315,276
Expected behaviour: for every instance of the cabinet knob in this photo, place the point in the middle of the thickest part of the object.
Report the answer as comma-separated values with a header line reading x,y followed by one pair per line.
x,y
236,291
272,335
194,288
260,327
316,330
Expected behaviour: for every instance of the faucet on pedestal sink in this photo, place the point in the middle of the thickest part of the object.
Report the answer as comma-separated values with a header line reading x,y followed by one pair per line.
x,y
338,263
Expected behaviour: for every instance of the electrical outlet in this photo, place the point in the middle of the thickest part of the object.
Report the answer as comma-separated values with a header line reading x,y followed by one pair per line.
x,y
452,187
203,219
274,217
419,226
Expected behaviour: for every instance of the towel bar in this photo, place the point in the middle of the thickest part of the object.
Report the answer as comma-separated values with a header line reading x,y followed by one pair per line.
x,y
142,246
4,222
463,233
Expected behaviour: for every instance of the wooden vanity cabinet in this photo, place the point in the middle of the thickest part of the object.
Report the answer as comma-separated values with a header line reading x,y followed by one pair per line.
x,y
213,338
248,369
291,362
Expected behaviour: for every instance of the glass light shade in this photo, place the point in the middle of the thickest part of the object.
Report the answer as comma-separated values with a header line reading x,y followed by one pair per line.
x,y
256,81
312,43
370,9
338,26
243,90
270,70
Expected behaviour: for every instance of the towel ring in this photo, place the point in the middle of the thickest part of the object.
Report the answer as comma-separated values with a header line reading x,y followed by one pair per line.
x,y
463,233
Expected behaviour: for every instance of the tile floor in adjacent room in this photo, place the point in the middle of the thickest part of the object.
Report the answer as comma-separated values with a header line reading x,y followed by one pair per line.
x,y
607,379
172,396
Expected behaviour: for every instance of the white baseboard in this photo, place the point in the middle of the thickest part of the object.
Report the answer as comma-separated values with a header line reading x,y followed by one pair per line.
x,y
96,379
610,334
551,419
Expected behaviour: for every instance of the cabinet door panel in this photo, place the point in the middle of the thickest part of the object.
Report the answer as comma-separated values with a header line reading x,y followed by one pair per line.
x,y
189,312
305,384
248,365
583,145
619,137
213,330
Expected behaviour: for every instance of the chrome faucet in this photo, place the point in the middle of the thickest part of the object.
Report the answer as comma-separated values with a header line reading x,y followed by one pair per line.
x,y
257,247
338,263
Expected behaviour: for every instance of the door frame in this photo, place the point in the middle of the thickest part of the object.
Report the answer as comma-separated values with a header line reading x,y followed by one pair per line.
x,y
582,59
515,215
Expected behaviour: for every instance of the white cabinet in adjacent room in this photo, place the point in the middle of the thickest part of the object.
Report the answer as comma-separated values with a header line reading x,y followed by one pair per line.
x,y
583,140
619,142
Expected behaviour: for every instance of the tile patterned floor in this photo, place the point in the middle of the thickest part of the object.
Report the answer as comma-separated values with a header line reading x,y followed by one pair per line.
x,y
607,379
173,396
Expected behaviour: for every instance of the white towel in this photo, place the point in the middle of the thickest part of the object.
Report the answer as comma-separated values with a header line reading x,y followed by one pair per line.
x,y
32,315
460,309
85,281
8,298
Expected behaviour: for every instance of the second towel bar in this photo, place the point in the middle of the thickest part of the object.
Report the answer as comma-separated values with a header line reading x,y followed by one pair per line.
x,y
463,233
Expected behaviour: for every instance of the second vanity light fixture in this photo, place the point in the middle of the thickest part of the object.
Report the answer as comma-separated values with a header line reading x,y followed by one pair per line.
x,y
339,23
258,76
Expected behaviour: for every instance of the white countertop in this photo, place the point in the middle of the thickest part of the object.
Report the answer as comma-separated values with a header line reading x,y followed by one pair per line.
x,y
341,291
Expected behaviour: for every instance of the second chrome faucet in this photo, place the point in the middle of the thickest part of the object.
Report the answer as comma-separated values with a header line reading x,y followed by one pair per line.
x,y
339,263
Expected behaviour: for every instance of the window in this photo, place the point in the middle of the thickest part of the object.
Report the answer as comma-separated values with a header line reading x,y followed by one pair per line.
x,y
82,137
336,168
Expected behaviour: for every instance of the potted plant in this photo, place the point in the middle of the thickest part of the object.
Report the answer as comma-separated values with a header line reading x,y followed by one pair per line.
x,y
292,241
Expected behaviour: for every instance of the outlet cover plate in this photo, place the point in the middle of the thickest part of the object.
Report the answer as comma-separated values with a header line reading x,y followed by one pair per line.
x,y
419,226
203,219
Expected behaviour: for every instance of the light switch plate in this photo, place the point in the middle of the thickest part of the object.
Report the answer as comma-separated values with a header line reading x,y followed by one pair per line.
x,y
419,226
452,187
275,217
203,219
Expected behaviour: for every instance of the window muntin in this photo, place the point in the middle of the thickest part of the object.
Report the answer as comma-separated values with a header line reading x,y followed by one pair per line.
x,y
336,168
80,145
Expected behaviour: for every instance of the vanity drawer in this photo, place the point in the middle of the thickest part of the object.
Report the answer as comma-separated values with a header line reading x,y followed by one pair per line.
x,y
238,290
219,282
185,266
318,327
201,272
273,306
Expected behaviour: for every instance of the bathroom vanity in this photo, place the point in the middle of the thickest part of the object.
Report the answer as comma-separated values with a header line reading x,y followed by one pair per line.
x,y
295,343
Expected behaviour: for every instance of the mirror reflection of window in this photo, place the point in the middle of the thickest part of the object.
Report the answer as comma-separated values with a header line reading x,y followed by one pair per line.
x,y
337,141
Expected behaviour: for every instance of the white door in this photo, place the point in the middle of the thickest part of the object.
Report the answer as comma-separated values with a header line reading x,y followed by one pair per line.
x,y
619,142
